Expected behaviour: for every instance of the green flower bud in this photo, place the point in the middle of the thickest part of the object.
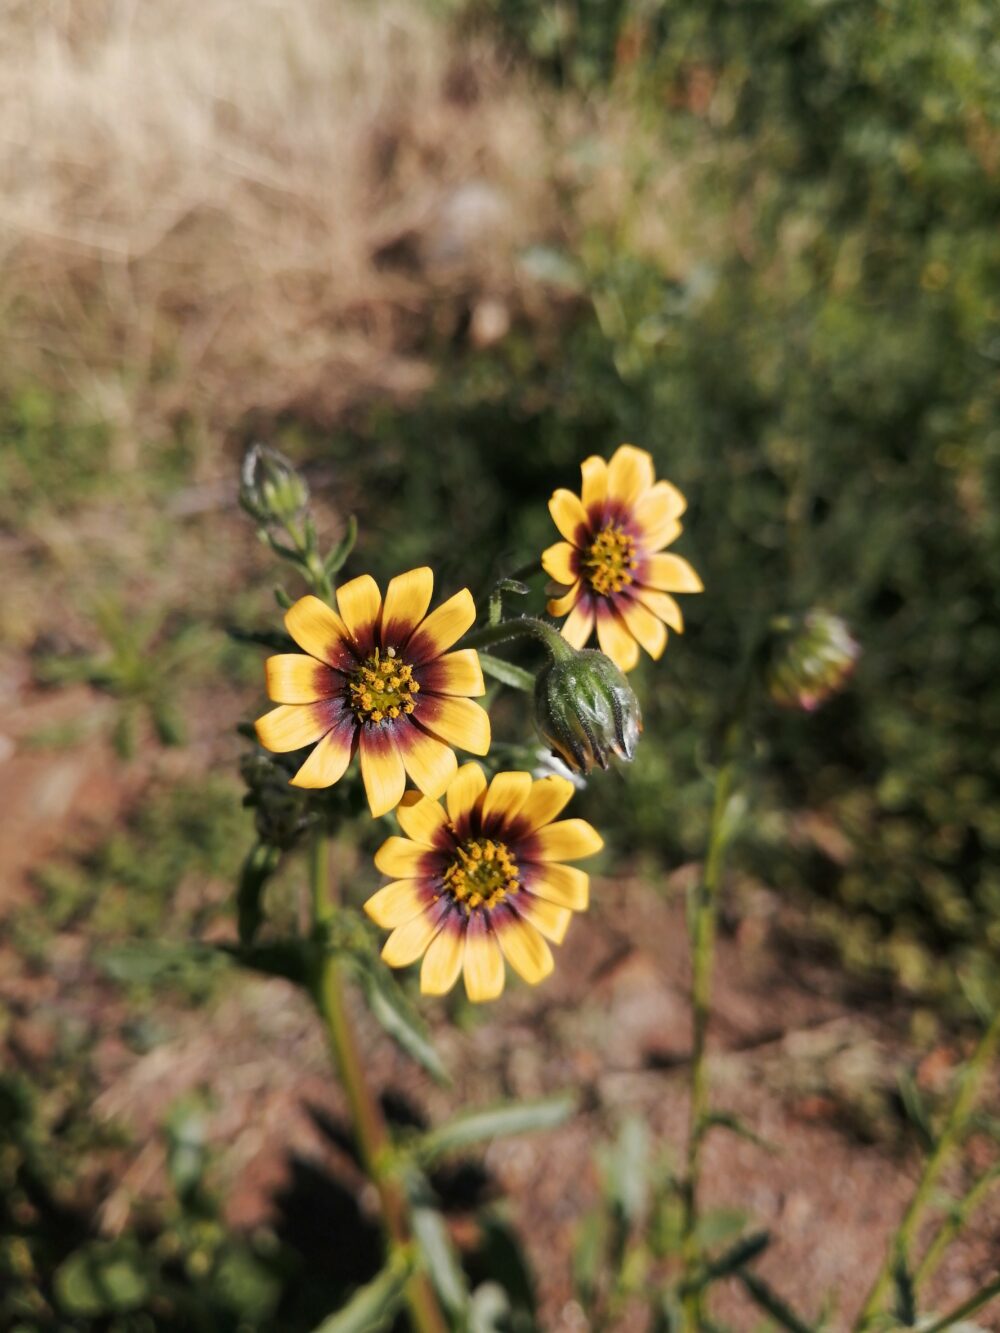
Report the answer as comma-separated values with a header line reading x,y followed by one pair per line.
x,y
586,710
271,490
809,659
280,814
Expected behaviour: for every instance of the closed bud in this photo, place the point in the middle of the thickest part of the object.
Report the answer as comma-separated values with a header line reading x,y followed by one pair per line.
x,y
272,491
586,710
809,659
280,814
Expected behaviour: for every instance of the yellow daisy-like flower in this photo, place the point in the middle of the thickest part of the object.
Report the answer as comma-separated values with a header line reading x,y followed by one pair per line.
x,y
611,565
481,880
378,679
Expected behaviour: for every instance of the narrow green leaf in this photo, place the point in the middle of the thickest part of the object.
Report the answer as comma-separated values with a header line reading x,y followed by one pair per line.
x,y
397,1017
628,1173
489,1310
771,1303
373,1306
150,962
906,1302
730,1262
431,1234
282,598
337,558
260,864
726,1120
916,1111
289,958
496,1122
506,672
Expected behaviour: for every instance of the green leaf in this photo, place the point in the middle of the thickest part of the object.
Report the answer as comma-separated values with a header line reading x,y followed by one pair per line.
x,y
726,1120
719,1225
496,1122
731,1261
373,1306
502,1260
431,1235
257,869
489,1309
290,958
771,1303
906,1301
337,558
283,599
150,963
397,1017
628,1170
916,1111
103,1278
589,1256
506,672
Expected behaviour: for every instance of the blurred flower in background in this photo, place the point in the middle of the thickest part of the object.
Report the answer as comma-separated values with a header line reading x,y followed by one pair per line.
x,y
810,659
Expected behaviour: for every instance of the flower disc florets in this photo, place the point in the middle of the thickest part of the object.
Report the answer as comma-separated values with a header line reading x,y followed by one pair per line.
x,y
383,688
609,562
482,874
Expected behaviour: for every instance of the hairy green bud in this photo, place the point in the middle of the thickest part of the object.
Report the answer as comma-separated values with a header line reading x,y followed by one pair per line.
x,y
586,710
809,659
272,491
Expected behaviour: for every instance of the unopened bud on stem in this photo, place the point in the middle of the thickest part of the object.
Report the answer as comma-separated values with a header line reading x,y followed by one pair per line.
x,y
809,659
272,491
586,710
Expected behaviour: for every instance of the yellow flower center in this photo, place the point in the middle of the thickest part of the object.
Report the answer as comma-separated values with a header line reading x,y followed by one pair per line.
x,y
382,688
482,874
609,560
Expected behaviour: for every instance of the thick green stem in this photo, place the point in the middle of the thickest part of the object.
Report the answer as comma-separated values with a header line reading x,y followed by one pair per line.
x,y
370,1130
948,1141
702,931
523,627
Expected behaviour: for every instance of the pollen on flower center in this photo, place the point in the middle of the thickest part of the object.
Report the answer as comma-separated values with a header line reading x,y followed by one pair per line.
x,y
609,560
382,688
482,874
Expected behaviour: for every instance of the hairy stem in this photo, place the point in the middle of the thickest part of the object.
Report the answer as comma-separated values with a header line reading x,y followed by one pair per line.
x,y
522,627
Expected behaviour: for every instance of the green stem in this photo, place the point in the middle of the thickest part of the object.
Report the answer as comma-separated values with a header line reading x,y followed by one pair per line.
x,y
702,931
962,1210
967,1307
948,1140
522,627
370,1129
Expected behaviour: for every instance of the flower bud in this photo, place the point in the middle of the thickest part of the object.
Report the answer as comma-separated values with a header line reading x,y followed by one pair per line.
x,y
809,659
279,811
271,490
586,710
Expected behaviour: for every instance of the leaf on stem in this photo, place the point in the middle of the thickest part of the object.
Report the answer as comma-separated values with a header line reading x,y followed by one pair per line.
x,y
373,1306
496,1122
506,672
397,1017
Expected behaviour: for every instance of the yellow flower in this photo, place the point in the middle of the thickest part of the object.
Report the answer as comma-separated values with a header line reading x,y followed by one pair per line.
x,y
611,564
482,880
378,679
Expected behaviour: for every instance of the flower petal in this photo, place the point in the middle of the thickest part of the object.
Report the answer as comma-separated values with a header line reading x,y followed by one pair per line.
x,y
560,562
421,819
398,903
580,624
406,943
406,601
569,516
464,791
381,769
630,474
483,964
656,510
548,797
443,960
318,629
430,763
291,726
402,859
458,721
443,627
523,947
504,797
293,678
615,640
559,606
644,627
566,840
328,762
453,673
359,602
548,919
566,886
594,491
661,604
669,573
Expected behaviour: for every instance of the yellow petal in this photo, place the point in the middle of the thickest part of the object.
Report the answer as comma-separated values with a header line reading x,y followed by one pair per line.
x,y
661,604
402,859
421,819
381,770
580,624
524,948
320,631
569,516
458,721
454,673
464,791
669,573
566,886
428,762
504,798
406,943
559,563
291,726
443,627
548,797
594,471
560,605
442,963
548,919
483,964
615,640
328,762
396,904
643,626
406,601
567,840
630,474
293,678
658,508
359,603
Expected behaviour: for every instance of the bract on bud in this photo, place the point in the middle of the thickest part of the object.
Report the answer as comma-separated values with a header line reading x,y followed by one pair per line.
x,y
809,659
586,710
272,491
